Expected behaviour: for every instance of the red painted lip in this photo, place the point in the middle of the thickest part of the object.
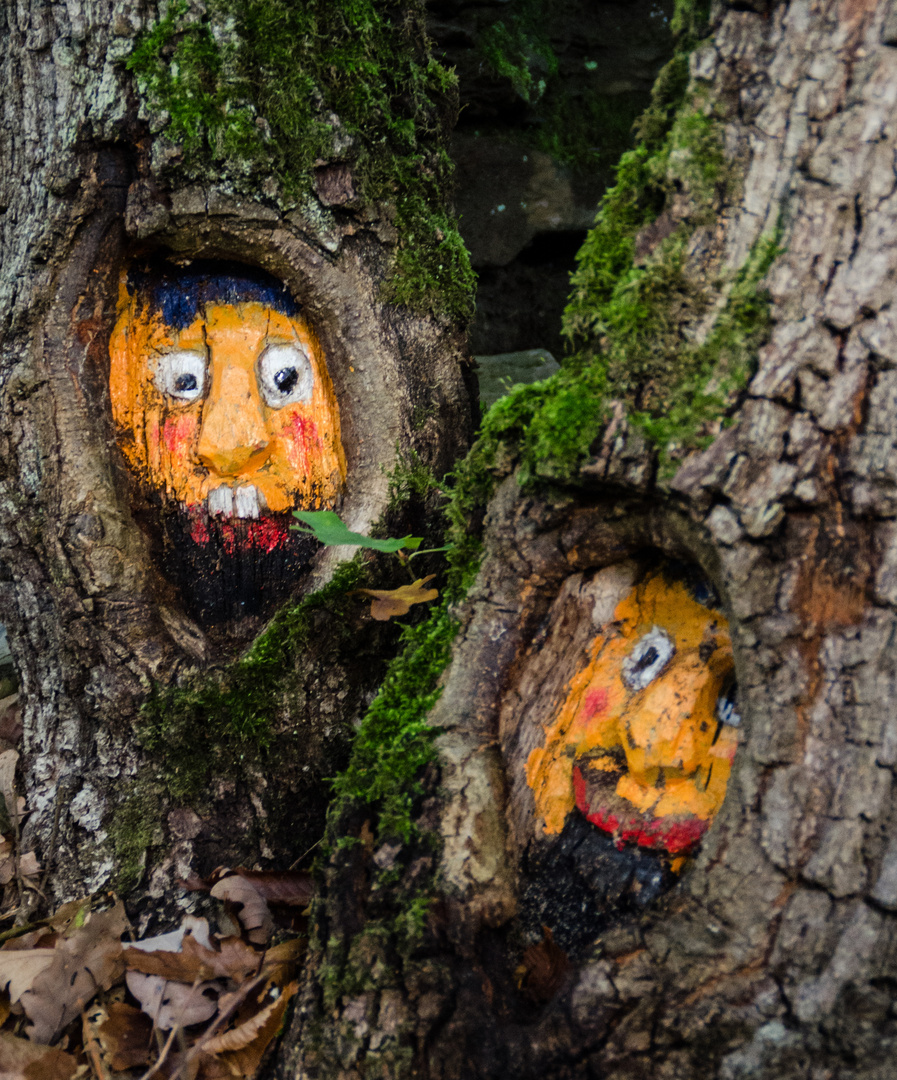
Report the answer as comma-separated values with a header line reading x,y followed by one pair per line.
x,y
677,836
244,534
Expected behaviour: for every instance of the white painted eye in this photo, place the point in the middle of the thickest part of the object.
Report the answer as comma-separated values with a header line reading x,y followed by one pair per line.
x,y
285,375
181,375
652,652
726,710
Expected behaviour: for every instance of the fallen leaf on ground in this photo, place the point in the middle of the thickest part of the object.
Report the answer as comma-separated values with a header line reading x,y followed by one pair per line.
x,y
254,914
243,1048
20,967
293,888
10,719
174,1004
126,1035
174,939
543,969
166,1001
87,961
388,603
22,1059
28,864
234,960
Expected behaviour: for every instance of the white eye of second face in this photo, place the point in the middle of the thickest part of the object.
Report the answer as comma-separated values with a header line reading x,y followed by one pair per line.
x,y
652,652
181,375
285,375
727,705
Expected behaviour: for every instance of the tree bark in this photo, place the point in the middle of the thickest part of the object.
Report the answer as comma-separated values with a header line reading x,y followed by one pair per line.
x,y
773,954
95,175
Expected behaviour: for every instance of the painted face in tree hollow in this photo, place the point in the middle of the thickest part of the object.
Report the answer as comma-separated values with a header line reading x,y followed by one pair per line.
x,y
644,742
234,411
226,414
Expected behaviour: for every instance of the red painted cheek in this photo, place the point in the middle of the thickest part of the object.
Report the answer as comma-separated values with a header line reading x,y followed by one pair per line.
x,y
178,433
595,703
303,441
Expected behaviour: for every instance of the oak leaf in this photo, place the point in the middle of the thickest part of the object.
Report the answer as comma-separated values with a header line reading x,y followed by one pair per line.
x,y
387,603
88,960
234,960
22,1059
126,1036
253,911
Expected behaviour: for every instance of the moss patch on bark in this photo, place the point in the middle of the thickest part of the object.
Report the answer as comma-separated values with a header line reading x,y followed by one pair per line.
x,y
257,93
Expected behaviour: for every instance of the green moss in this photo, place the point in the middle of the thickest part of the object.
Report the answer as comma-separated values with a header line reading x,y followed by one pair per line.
x,y
132,831
260,89
394,742
519,50
211,724
710,376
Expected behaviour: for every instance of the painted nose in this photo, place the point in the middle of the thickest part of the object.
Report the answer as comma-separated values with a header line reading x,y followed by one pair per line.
x,y
663,734
234,435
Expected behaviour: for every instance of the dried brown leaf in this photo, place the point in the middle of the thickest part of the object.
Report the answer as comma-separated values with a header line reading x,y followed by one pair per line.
x,y
126,1035
10,719
292,888
20,967
234,960
87,961
388,603
28,865
22,1059
243,1048
544,967
254,914
174,1004
283,959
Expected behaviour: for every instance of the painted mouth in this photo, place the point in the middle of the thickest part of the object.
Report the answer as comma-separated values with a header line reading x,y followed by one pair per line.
x,y
244,501
597,801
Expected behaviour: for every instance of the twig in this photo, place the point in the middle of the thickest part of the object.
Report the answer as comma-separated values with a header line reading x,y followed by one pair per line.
x,y
239,996
153,1069
302,856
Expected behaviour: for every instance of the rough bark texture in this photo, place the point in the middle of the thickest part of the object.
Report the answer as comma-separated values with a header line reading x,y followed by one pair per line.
x,y
775,956
87,184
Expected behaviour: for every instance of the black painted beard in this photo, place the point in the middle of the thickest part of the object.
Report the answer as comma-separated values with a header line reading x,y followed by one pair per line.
x,y
226,568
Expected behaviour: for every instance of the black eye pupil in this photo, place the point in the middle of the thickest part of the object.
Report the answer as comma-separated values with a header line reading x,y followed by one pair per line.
x,y
646,659
286,379
185,382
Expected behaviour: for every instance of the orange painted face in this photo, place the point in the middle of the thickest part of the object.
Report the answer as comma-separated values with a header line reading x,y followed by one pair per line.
x,y
234,412
644,742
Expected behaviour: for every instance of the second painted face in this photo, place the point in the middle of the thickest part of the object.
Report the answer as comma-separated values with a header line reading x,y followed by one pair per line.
x,y
643,744
232,413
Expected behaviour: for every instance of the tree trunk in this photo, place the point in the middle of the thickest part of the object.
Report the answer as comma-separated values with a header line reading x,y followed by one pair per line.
x,y
730,408
138,135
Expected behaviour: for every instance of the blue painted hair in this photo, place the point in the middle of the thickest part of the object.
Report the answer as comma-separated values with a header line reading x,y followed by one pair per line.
x,y
181,292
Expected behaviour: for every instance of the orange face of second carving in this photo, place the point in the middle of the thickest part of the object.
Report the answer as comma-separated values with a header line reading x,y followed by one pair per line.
x,y
644,742
234,413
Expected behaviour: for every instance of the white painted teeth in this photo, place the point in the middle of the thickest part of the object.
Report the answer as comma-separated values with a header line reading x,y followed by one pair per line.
x,y
241,502
246,502
221,501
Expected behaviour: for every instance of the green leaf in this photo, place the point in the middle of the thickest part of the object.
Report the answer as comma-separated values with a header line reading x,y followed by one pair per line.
x,y
327,527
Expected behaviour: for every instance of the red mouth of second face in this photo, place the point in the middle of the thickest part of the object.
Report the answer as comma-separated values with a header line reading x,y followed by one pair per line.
x,y
602,807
